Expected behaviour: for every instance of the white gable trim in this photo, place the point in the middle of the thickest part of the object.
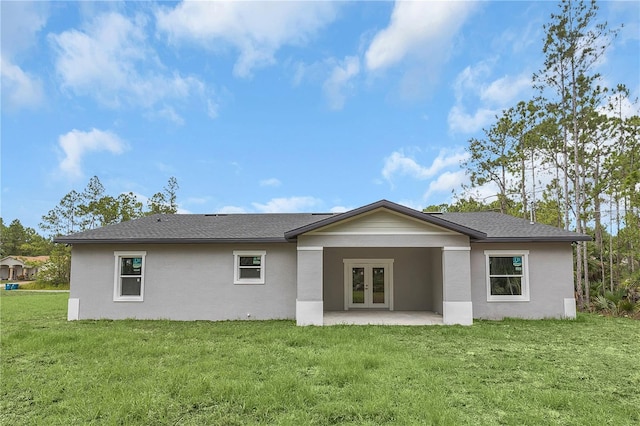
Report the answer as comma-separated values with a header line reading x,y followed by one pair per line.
x,y
338,227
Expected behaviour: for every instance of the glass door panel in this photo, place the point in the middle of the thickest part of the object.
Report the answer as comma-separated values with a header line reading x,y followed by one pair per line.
x,y
367,285
357,286
378,286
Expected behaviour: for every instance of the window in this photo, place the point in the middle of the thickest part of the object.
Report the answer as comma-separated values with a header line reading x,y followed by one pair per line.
x,y
129,276
249,267
507,275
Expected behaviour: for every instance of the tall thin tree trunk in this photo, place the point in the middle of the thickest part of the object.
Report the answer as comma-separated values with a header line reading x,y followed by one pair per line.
x,y
610,247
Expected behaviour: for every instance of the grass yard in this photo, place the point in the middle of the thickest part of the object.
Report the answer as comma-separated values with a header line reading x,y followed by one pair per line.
x,y
54,372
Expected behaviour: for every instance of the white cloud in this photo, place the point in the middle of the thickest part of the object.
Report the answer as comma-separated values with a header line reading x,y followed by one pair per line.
x,y
19,89
462,122
273,182
340,81
77,143
287,205
169,114
231,210
621,107
21,21
417,28
470,79
479,99
212,109
446,182
400,164
505,89
111,61
340,209
256,29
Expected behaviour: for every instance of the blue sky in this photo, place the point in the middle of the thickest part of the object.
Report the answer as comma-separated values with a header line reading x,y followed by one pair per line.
x,y
265,107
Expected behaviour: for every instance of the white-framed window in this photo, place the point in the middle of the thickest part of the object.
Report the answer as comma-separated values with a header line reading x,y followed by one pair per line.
x,y
507,275
249,266
129,276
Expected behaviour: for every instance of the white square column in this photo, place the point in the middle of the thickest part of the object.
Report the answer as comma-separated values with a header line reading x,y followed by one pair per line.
x,y
309,303
457,307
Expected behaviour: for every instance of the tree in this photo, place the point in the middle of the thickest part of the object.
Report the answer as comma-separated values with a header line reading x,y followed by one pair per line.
x,y
165,202
58,270
62,219
18,240
93,208
491,159
573,44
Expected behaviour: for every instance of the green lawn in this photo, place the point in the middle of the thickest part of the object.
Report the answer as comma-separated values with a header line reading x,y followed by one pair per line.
x,y
54,372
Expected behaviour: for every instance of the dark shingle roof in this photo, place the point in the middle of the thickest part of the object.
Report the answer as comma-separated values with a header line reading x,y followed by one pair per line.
x,y
501,227
282,227
197,228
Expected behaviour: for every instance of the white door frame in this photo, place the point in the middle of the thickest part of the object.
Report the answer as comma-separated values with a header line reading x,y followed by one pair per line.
x,y
350,263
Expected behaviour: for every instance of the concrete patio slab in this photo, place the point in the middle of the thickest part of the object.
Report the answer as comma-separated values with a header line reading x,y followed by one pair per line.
x,y
375,317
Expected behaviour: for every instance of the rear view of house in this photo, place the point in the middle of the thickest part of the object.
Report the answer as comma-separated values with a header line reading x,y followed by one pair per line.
x,y
379,257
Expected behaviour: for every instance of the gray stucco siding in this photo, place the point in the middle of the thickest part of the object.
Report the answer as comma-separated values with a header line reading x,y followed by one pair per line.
x,y
186,282
436,280
550,281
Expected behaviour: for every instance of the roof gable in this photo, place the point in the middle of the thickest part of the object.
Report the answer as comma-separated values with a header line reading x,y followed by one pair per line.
x,y
381,221
426,219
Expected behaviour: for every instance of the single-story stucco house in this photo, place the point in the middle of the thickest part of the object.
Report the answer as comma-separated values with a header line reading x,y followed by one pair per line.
x,y
382,256
21,267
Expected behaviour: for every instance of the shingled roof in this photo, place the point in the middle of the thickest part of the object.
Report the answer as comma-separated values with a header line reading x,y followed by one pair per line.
x,y
197,228
283,227
500,227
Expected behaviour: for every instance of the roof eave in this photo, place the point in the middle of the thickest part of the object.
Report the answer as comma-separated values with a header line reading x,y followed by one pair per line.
x,y
559,239
72,241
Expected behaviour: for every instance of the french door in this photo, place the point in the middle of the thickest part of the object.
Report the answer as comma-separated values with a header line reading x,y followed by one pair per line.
x,y
367,284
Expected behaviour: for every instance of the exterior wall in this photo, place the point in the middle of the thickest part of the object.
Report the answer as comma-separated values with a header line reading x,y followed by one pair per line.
x,y
436,280
550,282
413,278
184,282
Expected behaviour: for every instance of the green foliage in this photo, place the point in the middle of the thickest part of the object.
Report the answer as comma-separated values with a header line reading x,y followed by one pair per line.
x,y
132,372
90,209
20,241
576,133
164,202
57,272
93,208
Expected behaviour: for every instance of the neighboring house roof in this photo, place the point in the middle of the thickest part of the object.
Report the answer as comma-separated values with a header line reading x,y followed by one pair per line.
x,y
282,227
25,259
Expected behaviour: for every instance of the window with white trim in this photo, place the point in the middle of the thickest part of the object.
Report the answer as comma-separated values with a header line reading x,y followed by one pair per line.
x,y
129,276
249,267
507,275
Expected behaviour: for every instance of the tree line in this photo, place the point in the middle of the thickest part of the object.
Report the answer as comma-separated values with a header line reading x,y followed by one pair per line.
x,y
569,157
80,211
